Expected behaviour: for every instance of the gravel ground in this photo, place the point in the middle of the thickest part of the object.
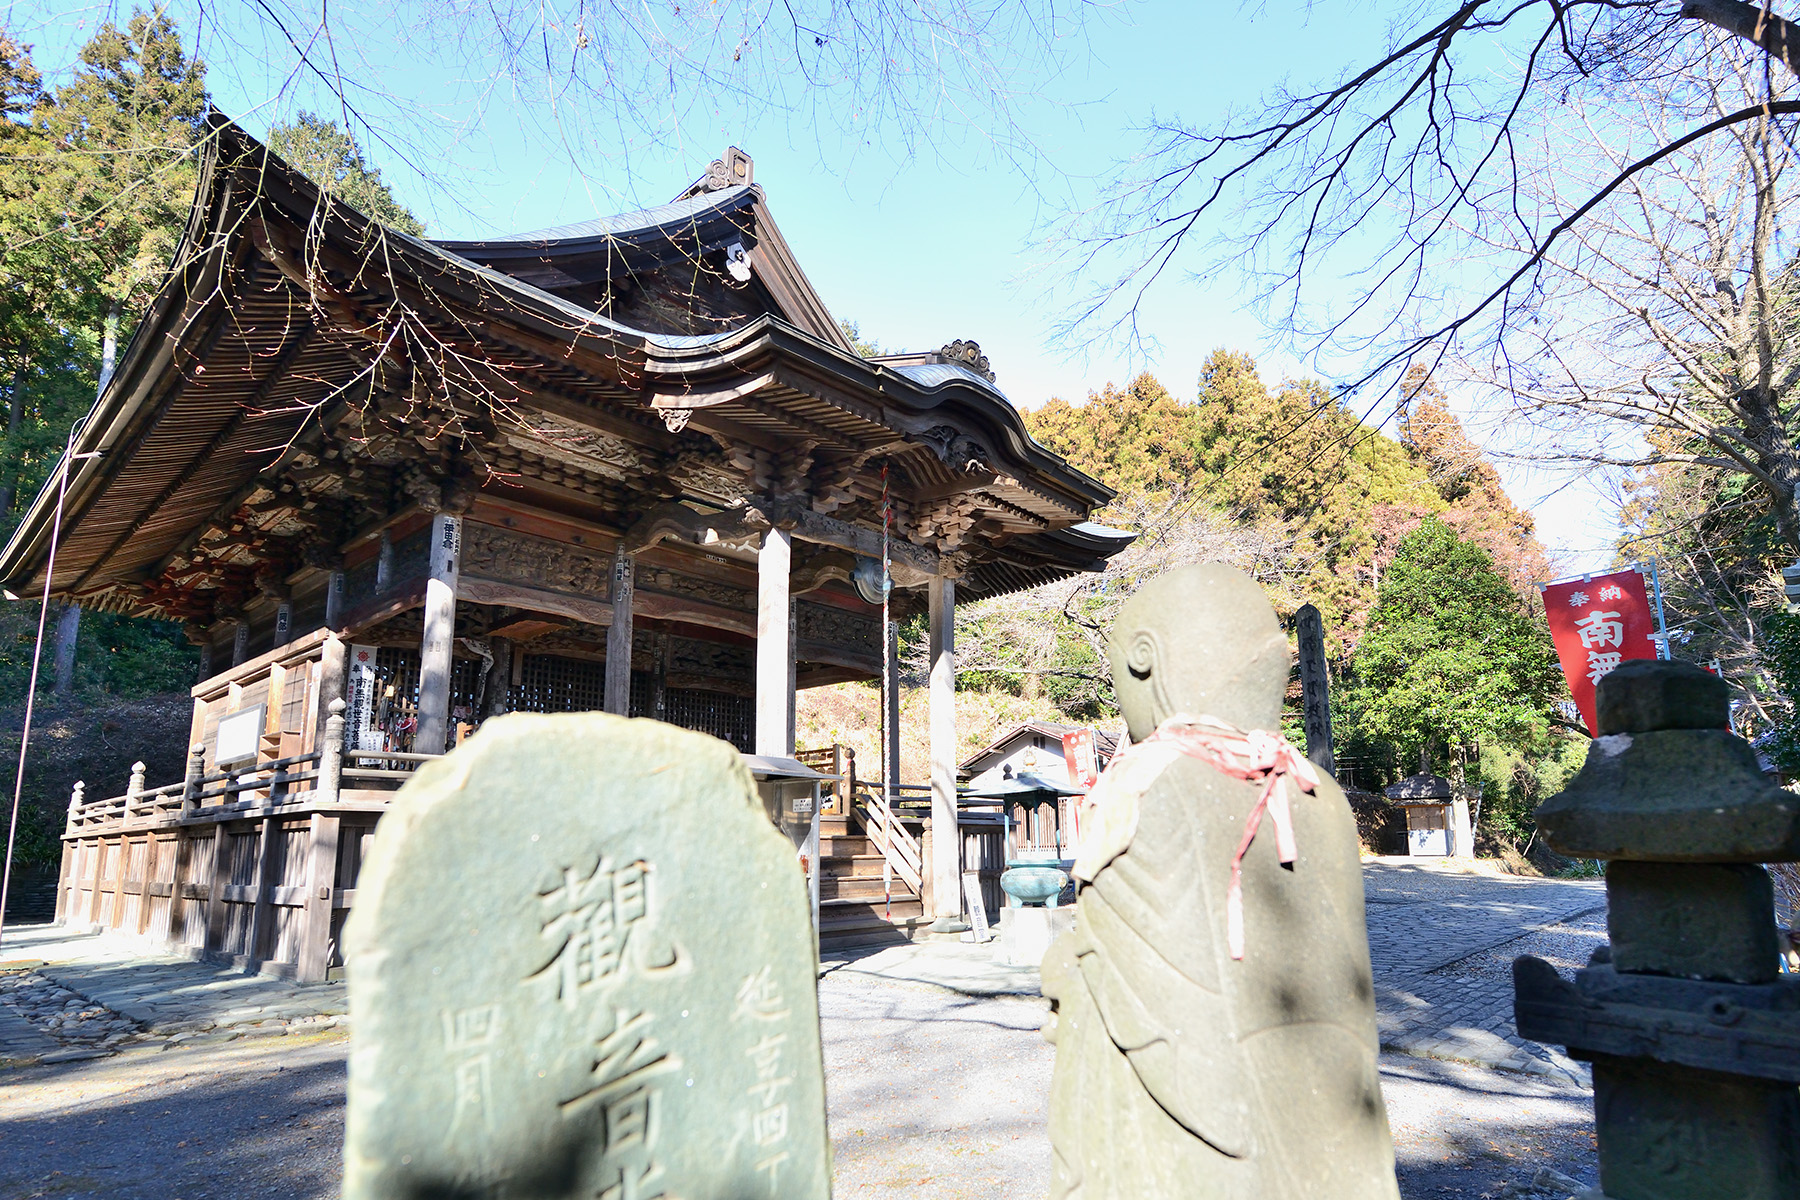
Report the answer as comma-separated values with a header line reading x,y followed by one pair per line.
x,y
1565,946
932,1095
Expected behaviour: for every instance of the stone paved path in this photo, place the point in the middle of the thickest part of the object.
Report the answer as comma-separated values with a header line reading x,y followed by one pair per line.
x,y
1442,937
169,997
20,1039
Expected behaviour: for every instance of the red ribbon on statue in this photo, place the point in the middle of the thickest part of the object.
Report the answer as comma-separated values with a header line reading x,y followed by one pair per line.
x,y
1255,756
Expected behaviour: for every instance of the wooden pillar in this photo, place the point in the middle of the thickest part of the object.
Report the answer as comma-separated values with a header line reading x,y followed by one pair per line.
x,y
206,661
334,679
191,782
1315,687
890,756
321,882
945,864
499,678
773,657
331,755
220,879
65,880
793,675
263,914
134,788
617,695
240,641
440,636
384,562
334,600
659,675
94,876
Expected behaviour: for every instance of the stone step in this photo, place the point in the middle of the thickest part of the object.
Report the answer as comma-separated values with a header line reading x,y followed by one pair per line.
x,y
858,866
838,914
860,887
850,925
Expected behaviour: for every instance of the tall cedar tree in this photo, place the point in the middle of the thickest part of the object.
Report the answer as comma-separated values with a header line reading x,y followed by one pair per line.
x,y
129,121
1478,506
1137,439
331,158
1451,656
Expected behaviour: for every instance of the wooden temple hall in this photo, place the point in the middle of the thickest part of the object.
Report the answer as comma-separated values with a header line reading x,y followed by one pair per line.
x,y
629,464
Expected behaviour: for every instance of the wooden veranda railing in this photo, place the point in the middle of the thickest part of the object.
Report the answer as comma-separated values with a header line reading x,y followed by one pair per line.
x,y
255,861
887,832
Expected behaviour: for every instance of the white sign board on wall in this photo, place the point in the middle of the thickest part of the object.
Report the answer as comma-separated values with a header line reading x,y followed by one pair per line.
x,y
240,737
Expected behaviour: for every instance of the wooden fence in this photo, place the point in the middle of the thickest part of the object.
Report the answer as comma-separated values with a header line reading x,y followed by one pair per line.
x,y
256,863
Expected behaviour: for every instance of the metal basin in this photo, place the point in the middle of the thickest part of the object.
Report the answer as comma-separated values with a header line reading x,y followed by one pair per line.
x,y
1031,883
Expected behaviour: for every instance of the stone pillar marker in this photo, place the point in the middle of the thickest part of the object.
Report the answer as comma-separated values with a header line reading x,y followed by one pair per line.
x,y
1315,686
1693,1034
610,993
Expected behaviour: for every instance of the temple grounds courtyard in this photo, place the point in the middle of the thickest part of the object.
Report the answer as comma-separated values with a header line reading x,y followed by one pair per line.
x,y
187,1081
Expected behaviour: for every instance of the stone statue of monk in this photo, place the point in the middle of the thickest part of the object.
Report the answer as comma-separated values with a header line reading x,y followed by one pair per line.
x,y
1213,1041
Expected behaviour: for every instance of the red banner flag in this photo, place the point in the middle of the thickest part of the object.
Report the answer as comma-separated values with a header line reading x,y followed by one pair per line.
x,y
1598,623
1078,757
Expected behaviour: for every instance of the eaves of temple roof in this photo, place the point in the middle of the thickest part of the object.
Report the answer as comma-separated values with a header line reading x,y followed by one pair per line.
x,y
302,367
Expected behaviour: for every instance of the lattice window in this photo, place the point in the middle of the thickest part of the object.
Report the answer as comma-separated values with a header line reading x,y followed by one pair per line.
x,y
549,683
552,684
397,701
731,718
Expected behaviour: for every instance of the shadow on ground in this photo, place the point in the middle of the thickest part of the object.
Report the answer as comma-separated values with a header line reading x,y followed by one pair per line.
x,y
1462,1132
227,1120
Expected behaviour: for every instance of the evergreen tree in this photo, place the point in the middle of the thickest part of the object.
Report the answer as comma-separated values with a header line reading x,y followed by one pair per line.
x,y
1137,439
1298,456
331,158
1451,655
129,123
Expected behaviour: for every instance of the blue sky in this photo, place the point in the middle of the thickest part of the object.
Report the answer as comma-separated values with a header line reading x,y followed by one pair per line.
x,y
920,240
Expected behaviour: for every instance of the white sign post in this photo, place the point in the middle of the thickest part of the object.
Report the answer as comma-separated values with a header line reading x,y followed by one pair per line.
x,y
359,716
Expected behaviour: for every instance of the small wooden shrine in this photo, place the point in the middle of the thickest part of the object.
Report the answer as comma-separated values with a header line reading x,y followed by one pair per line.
x,y
630,464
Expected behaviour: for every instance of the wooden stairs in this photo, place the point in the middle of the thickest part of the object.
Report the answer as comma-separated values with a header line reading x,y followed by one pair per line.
x,y
855,911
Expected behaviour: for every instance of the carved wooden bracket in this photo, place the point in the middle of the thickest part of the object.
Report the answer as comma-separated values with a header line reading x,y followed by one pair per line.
x,y
737,529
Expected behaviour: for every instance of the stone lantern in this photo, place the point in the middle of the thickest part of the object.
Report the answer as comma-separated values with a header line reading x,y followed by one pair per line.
x,y
1693,1035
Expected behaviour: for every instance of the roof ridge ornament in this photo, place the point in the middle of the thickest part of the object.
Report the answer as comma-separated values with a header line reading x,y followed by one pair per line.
x,y
732,169
965,353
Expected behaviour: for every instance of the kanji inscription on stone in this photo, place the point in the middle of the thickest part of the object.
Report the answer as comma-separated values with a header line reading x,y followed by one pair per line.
x,y
582,965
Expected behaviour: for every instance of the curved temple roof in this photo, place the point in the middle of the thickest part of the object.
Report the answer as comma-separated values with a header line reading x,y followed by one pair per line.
x,y
304,372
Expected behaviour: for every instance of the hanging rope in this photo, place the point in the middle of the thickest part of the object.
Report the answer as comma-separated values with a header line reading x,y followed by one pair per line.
x,y
888,767
37,652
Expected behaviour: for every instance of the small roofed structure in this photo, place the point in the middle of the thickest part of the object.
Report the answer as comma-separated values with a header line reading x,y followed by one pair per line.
x,y
1032,746
1025,770
631,464
1437,820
